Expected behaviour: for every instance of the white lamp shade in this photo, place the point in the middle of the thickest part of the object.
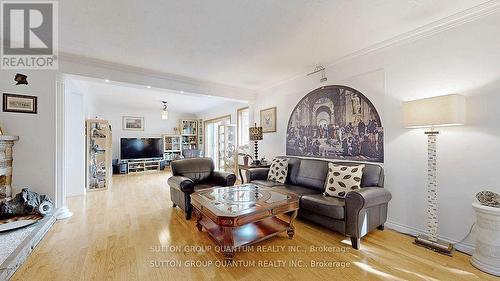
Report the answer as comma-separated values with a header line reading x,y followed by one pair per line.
x,y
438,111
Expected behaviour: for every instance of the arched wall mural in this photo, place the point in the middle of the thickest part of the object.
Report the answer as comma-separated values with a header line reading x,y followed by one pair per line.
x,y
336,122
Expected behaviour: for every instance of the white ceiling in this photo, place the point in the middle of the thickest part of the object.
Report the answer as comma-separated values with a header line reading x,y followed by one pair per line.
x,y
245,43
140,97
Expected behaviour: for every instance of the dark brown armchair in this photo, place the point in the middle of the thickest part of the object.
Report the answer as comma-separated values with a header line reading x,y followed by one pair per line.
x,y
192,174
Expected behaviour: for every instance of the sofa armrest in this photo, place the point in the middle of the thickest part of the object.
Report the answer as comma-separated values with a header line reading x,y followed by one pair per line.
x,y
257,174
365,209
186,185
223,178
367,197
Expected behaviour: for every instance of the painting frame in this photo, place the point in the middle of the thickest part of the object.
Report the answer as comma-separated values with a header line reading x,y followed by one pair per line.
x,y
30,103
128,123
268,114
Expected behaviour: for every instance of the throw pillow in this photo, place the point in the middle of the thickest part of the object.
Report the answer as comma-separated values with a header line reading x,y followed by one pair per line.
x,y
278,170
342,179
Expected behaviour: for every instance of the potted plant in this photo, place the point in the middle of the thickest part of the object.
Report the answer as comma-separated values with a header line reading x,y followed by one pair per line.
x,y
244,152
246,157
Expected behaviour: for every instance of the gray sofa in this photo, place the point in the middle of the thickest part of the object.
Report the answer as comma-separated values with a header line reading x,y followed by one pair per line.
x,y
359,213
192,174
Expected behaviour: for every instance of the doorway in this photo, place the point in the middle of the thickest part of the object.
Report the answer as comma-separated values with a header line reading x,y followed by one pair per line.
x,y
212,138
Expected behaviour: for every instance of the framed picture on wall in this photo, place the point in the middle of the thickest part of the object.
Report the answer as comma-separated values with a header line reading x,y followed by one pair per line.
x,y
268,120
131,123
19,103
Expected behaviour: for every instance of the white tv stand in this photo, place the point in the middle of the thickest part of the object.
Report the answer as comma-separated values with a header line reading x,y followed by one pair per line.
x,y
143,165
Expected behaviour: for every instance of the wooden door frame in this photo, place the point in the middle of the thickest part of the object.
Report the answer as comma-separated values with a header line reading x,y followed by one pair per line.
x,y
213,120
238,122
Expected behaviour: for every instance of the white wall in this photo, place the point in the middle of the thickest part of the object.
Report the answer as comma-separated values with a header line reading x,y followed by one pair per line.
x,y
74,131
35,152
463,60
154,126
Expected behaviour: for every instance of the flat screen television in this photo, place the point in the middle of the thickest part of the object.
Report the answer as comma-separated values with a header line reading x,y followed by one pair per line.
x,y
141,148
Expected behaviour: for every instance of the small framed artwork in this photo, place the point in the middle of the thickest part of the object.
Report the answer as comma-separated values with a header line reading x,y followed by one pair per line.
x,y
20,103
131,123
268,120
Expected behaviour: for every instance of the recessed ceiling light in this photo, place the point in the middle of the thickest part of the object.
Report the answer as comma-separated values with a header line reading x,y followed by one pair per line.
x,y
149,87
182,92
107,81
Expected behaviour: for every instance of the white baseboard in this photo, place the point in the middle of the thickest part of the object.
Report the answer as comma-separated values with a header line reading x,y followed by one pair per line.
x,y
413,231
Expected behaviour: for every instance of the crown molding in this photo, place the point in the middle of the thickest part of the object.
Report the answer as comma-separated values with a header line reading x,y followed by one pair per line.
x,y
103,64
455,20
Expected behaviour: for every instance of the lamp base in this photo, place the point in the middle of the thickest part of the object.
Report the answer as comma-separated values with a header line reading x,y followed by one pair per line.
x,y
439,246
256,162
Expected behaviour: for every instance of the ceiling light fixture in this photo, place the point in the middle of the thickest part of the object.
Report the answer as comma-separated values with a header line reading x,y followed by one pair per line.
x,y
149,87
182,92
164,111
107,81
321,69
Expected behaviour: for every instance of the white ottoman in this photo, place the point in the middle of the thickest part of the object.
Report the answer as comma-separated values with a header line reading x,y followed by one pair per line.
x,y
487,254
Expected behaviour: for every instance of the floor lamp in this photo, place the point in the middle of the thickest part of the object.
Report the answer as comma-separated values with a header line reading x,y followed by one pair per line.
x,y
430,113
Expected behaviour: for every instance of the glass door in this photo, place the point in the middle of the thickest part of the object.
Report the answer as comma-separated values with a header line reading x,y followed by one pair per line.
x,y
231,144
212,141
221,149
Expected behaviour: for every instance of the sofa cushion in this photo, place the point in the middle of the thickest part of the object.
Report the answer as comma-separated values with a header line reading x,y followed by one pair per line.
x,y
298,190
373,174
278,170
266,183
328,206
312,174
197,169
341,179
293,170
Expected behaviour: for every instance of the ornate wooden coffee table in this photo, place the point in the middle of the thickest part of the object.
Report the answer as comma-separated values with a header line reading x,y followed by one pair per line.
x,y
241,215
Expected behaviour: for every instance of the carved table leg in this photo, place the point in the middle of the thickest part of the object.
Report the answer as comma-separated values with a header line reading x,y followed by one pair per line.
x,y
228,243
291,228
198,219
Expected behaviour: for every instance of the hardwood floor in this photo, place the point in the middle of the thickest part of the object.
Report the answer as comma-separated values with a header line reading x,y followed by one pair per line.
x,y
124,234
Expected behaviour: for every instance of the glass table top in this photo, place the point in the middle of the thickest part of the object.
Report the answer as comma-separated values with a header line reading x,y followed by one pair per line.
x,y
234,199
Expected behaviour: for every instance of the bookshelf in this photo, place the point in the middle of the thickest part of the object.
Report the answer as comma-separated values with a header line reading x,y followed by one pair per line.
x,y
172,146
191,134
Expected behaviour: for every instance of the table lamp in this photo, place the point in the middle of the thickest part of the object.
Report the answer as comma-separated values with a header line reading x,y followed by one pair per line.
x,y
430,113
256,135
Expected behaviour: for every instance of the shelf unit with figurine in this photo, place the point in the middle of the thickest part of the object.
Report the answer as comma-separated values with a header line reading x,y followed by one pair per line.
x,y
99,169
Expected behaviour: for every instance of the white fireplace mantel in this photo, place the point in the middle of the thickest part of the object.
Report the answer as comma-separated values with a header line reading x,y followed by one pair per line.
x,y
6,143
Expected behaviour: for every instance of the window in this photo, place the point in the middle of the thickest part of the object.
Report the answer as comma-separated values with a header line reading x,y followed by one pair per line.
x,y
243,125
